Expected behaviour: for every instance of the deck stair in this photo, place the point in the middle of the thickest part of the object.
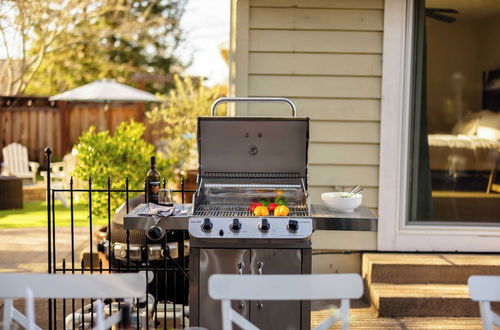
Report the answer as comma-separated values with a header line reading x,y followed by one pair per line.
x,y
425,285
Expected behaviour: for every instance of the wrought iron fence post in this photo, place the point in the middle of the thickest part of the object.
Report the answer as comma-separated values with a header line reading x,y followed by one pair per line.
x,y
109,226
182,189
48,153
168,266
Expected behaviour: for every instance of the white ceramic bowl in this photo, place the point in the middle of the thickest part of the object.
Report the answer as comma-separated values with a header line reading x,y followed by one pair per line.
x,y
335,202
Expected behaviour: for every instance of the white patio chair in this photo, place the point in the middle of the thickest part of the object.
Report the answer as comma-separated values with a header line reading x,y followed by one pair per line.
x,y
74,286
15,158
57,174
284,287
485,289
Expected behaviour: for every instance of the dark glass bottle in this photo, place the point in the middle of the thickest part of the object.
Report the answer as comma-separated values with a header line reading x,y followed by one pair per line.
x,y
153,183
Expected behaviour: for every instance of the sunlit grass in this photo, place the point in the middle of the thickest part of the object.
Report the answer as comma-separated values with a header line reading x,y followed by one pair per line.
x,y
34,214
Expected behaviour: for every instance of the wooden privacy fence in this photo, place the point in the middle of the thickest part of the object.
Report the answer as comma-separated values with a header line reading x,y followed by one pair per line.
x,y
36,122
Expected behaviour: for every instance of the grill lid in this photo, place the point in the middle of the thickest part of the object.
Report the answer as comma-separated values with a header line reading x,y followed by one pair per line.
x,y
262,147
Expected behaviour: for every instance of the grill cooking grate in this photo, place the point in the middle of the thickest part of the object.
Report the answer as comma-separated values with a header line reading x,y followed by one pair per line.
x,y
251,175
241,210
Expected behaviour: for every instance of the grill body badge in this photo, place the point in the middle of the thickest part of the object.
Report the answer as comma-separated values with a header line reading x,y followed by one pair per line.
x,y
253,150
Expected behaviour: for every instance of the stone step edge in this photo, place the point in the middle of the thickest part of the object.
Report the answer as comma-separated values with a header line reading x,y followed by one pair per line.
x,y
421,290
417,297
431,259
426,274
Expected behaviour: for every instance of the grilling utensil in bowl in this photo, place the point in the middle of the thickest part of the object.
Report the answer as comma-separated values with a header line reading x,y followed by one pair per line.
x,y
343,201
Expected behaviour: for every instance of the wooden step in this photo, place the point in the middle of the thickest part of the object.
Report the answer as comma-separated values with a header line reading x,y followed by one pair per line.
x,y
417,300
427,268
365,318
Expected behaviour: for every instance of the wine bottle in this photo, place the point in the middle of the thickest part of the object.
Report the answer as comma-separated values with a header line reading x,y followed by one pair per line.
x,y
153,183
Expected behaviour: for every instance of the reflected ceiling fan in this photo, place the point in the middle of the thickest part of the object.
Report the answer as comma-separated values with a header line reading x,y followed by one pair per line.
x,y
441,14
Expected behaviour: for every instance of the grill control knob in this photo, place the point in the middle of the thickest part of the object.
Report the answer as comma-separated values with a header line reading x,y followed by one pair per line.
x,y
207,225
236,225
293,225
155,233
264,225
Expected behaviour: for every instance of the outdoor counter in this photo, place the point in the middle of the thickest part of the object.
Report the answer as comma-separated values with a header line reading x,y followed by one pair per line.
x,y
361,219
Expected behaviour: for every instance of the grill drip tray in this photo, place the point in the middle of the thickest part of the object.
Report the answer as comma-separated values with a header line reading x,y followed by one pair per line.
x,y
242,210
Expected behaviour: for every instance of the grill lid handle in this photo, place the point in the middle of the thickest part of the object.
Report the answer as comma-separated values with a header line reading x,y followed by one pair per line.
x,y
213,110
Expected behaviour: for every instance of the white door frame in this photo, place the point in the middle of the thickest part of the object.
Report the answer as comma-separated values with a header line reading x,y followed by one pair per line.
x,y
394,234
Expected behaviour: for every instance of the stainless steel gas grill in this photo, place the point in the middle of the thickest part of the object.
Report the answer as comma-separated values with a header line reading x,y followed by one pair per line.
x,y
243,160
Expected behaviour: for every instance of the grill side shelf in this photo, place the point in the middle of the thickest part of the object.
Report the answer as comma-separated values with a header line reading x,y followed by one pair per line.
x,y
362,219
133,220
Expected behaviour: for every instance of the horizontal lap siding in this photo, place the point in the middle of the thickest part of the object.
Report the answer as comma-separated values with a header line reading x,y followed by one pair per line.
x,y
343,154
315,64
365,42
357,132
300,86
339,4
315,19
325,109
326,56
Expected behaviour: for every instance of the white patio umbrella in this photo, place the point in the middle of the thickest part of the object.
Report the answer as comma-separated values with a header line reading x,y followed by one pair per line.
x,y
105,91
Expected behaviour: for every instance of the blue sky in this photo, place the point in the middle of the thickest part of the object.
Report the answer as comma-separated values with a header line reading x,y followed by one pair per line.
x,y
206,26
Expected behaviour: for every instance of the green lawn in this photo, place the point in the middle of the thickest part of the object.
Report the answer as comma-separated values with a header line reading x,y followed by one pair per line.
x,y
34,214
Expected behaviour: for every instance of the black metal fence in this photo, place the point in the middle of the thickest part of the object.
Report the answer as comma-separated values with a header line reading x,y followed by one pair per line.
x,y
165,304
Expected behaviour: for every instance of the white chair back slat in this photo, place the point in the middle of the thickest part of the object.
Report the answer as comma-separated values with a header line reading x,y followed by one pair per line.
x,y
485,289
23,159
30,309
298,287
63,286
284,287
67,286
16,159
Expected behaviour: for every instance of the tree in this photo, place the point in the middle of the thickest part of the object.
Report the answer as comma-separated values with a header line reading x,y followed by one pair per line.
x,y
176,119
59,44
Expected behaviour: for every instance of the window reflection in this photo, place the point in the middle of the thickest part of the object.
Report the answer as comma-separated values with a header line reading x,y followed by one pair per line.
x,y
456,122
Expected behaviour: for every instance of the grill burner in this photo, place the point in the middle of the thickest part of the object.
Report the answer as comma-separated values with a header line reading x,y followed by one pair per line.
x,y
241,210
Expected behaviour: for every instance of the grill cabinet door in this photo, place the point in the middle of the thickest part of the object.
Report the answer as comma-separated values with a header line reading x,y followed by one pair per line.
x,y
284,315
220,261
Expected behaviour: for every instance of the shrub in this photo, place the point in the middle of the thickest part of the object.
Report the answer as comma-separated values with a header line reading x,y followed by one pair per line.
x,y
119,156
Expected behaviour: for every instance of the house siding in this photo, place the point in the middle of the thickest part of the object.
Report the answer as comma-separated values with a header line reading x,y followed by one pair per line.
x,y
326,55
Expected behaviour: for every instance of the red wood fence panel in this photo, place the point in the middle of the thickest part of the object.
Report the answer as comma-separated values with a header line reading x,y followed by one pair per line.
x,y
36,122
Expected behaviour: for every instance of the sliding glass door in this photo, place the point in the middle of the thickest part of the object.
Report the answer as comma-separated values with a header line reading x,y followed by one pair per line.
x,y
454,148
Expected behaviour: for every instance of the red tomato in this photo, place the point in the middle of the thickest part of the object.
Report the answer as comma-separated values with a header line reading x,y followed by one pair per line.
x,y
254,205
272,206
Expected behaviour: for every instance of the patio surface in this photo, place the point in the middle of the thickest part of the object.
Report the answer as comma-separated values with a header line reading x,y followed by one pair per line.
x,y
25,250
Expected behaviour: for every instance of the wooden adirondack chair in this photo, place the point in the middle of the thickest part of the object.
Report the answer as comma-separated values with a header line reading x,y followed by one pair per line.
x,y
15,158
